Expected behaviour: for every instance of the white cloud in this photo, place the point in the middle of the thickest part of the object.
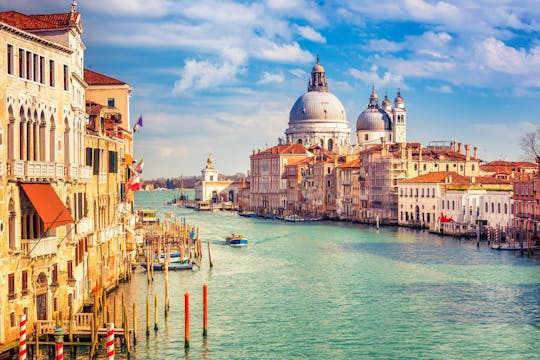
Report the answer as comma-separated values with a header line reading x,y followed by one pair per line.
x,y
307,32
444,89
287,53
299,73
383,46
203,74
440,10
268,78
372,78
500,57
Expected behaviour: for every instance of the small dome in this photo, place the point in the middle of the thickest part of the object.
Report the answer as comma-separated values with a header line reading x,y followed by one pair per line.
x,y
373,119
316,105
386,104
398,101
317,68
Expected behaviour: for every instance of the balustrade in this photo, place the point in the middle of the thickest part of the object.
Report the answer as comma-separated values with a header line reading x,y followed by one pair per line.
x,y
39,247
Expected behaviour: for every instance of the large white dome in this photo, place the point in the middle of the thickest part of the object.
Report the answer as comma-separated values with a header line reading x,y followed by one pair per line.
x,y
318,106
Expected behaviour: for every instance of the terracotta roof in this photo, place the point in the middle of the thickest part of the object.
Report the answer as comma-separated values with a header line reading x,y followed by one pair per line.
x,y
290,149
95,78
439,177
37,22
355,163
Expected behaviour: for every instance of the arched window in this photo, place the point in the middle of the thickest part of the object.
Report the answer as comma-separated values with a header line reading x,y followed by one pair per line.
x,y
330,144
299,141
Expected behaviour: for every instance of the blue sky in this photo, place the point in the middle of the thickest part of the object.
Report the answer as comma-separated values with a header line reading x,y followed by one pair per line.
x,y
219,77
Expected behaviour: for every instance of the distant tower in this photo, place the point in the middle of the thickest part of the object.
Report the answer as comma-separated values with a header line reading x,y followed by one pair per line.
x,y
209,173
399,119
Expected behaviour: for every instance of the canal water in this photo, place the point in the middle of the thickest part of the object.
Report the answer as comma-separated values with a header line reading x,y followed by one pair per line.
x,y
333,290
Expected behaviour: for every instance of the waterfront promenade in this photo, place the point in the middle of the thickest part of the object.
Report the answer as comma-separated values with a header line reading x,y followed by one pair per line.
x,y
343,291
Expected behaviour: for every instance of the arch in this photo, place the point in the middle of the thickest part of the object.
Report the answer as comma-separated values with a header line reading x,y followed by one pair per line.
x,y
52,140
214,196
22,134
67,142
330,144
41,296
11,134
299,141
12,230
42,139
231,195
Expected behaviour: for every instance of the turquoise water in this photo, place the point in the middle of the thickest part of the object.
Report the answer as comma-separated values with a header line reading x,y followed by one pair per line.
x,y
332,290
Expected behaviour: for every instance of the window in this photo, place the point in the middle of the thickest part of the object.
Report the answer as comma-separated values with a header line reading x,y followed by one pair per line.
x,y
12,319
433,192
66,79
88,157
498,208
35,64
415,167
472,167
51,73
10,59
506,208
113,162
110,102
70,269
492,208
96,162
447,167
21,63
24,282
55,273
11,286
366,137
42,70
486,208
425,167
28,65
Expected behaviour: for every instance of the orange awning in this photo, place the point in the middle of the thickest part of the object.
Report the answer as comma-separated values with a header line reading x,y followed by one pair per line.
x,y
48,205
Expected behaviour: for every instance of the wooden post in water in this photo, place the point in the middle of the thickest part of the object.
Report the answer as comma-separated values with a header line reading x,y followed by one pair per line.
x,y
186,320
205,310
147,314
114,311
155,313
166,277
134,324
210,255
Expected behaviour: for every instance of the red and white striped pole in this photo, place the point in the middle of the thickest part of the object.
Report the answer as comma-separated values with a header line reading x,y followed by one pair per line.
x,y
59,340
22,338
110,341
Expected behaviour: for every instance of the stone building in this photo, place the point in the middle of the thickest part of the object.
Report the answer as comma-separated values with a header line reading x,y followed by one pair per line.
x,y
48,183
268,187
43,169
210,188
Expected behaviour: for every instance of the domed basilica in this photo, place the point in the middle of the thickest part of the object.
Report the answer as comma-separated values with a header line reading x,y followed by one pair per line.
x,y
319,118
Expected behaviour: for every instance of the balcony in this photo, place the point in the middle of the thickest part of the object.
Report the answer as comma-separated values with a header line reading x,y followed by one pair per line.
x,y
79,173
26,170
36,248
84,226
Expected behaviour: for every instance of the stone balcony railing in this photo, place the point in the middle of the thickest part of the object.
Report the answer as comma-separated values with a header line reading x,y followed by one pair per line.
x,y
79,173
84,226
26,170
39,247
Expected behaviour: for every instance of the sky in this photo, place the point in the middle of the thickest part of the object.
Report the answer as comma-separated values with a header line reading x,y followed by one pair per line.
x,y
218,78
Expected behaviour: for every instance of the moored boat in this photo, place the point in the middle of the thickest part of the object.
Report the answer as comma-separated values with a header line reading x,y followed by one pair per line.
x,y
236,240
248,214
173,266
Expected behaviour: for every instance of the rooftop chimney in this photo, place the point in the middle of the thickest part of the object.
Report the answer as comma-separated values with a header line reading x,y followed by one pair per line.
x,y
467,152
475,152
459,147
